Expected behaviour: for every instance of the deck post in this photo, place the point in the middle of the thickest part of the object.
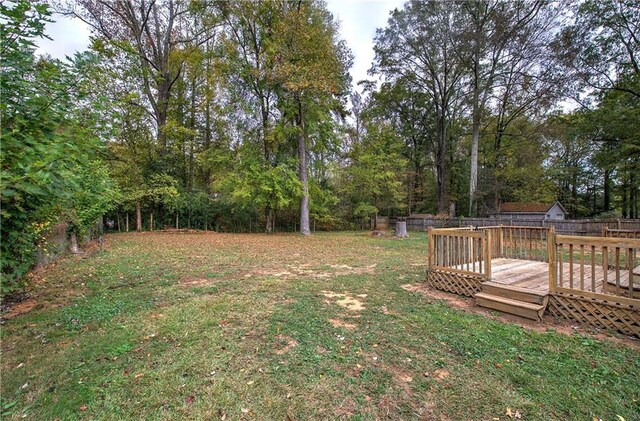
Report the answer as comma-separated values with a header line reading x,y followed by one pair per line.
x,y
430,246
487,255
551,251
501,239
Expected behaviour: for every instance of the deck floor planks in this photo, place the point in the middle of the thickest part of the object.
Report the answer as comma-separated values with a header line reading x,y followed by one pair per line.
x,y
534,275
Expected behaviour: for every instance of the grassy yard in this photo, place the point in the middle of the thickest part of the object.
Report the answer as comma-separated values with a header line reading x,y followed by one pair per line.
x,y
221,326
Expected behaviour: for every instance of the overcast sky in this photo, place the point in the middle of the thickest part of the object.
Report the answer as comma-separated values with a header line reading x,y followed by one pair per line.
x,y
358,22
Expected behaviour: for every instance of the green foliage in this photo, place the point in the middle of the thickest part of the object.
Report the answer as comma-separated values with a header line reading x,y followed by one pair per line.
x,y
95,195
374,180
258,184
48,151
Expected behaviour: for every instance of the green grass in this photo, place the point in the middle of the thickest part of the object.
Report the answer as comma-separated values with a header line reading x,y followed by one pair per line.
x,y
117,336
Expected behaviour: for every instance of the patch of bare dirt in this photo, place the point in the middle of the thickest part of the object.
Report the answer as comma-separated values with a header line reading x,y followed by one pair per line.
x,y
564,327
307,270
193,282
342,324
387,312
288,342
346,300
438,375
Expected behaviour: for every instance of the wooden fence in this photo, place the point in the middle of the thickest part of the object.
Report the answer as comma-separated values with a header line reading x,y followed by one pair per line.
x,y
567,227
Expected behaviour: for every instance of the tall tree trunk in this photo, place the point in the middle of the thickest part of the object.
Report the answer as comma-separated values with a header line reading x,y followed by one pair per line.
x,y
632,194
441,164
127,222
138,216
73,243
269,223
475,137
151,220
625,203
607,191
302,174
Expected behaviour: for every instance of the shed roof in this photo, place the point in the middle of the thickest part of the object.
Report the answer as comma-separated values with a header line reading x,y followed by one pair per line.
x,y
528,207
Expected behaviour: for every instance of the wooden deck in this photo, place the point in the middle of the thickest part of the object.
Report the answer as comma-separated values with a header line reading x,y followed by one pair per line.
x,y
532,275
507,269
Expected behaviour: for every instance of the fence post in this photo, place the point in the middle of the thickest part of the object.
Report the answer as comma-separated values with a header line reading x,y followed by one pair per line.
x,y
551,251
487,255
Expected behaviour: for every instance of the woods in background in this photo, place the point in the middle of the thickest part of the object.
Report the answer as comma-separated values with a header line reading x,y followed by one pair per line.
x,y
241,116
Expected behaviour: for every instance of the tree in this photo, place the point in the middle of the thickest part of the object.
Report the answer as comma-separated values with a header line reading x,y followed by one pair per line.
x,y
153,32
311,72
601,49
422,44
373,181
498,33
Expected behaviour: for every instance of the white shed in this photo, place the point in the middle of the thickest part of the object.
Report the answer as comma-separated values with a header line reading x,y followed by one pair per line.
x,y
524,210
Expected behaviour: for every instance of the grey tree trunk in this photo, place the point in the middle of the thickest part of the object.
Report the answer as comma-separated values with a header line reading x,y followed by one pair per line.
x,y
302,175
441,163
269,224
401,229
73,246
151,221
138,217
127,222
473,181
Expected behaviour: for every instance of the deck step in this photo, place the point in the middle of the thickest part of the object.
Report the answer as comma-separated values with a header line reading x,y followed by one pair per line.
x,y
508,305
515,293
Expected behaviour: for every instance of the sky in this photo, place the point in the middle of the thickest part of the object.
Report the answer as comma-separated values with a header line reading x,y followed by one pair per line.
x,y
358,22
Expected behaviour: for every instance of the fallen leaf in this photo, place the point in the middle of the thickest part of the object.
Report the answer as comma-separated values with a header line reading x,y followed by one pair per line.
x,y
137,349
517,415
190,399
250,382
137,376
509,412
83,408
245,410
498,365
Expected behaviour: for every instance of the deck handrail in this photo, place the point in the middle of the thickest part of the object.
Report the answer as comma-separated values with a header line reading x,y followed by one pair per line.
x,y
620,233
466,251
606,268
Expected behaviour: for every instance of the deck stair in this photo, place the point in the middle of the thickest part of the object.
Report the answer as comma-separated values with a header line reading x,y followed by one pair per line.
x,y
511,299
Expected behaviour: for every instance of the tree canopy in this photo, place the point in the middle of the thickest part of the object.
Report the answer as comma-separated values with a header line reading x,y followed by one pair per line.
x,y
241,116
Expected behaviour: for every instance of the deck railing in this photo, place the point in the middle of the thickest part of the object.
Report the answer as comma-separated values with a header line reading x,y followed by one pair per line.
x,y
620,233
596,267
465,251
527,243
